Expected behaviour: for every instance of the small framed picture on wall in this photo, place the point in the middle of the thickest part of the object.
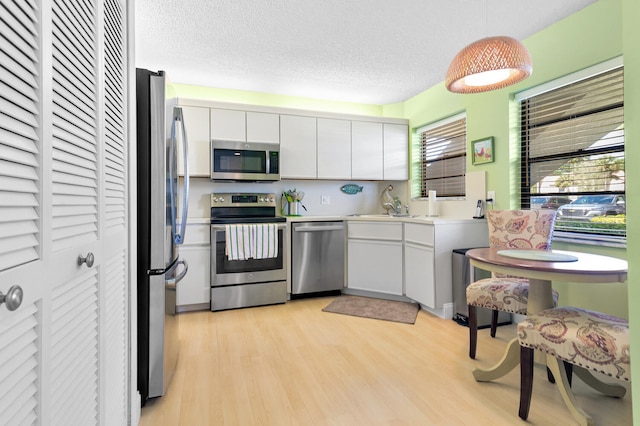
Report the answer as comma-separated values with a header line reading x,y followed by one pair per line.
x,y
482,150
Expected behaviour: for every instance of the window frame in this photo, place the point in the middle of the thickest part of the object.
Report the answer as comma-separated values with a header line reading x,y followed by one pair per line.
x,y
419,189
595,238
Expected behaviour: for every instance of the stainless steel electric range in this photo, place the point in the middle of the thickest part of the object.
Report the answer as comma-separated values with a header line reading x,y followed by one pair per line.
x,y
250,282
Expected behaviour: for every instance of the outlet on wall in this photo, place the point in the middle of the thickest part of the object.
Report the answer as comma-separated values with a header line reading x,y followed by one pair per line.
x,y
491,195
325,199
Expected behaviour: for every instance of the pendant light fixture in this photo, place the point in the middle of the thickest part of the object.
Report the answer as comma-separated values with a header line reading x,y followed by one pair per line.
x,y
489,64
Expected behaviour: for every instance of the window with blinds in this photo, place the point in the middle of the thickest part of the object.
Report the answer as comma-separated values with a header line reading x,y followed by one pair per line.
x,y
573,155
443,158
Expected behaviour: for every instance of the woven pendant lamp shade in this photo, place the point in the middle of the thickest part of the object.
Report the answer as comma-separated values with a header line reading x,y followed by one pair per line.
x,y
494,62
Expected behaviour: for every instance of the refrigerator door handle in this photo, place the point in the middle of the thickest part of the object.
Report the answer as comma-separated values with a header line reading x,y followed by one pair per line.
x,y
178,117
171,282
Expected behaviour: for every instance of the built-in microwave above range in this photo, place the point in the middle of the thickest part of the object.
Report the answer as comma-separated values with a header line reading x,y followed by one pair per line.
x,y
244,161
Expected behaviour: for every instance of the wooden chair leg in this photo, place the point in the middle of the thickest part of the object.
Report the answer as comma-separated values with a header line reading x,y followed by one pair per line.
x,y
494,322
526,381
473,331
568,368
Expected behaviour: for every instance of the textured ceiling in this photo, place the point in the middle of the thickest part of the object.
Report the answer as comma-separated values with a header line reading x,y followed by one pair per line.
x,y
365,51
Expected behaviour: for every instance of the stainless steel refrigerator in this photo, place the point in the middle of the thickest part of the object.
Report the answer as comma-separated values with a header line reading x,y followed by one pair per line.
x,y
160,130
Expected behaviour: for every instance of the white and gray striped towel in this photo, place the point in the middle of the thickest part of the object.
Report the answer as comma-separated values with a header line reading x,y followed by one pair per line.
x,y
257,241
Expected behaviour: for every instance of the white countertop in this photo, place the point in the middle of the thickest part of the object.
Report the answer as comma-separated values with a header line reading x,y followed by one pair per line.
x,y
361,218
381,218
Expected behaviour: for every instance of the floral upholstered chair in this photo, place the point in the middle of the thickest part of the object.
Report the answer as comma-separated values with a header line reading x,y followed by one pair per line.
x,y
574,336
508,229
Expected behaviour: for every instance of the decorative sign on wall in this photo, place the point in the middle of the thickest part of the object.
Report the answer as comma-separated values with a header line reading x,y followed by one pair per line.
x,y
351,188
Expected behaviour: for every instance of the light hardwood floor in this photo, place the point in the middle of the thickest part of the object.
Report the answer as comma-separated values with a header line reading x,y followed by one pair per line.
x,y
293,364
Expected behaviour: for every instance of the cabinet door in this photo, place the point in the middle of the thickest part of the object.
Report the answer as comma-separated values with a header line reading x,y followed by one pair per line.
x,y
366,151
334,149
297,147
228,125
196,121
419,274
263,127
396,151
375,266
195,287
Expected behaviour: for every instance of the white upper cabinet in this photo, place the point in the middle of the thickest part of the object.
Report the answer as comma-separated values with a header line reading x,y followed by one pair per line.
x,y
312,145
263,127
366,151
228,125
396,151
298,147
196,122
334,149
245,126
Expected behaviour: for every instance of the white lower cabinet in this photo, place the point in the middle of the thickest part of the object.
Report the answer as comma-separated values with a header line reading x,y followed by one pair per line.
x,y
194,291
410,259
427,259
419,263
419,278
375,257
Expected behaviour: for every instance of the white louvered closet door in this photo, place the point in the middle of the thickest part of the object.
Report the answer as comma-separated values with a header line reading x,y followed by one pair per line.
x,y
63,192
21,234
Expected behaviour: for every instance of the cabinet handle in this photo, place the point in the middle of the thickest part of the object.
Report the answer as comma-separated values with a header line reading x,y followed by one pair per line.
x,y
13,298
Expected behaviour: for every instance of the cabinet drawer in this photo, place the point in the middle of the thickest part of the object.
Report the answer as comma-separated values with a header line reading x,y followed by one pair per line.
x,y
375,230
419,234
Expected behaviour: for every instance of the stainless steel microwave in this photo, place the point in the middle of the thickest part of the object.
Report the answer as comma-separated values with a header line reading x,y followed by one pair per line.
x,y
244,161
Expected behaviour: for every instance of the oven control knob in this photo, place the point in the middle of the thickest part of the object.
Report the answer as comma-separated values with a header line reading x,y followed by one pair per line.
x,y
272,199
222,199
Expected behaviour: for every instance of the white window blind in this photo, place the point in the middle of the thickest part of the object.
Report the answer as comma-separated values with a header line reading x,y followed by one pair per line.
x,y
443,158
573,146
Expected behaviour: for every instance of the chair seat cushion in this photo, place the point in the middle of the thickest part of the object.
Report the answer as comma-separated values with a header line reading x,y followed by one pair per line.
x,y
589,339
502,294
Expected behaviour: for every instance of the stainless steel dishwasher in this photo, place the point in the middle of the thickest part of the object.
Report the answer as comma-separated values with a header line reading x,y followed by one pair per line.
x,y
317,257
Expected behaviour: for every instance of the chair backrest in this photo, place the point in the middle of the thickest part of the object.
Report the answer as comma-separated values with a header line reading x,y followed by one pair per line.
x,y
521,229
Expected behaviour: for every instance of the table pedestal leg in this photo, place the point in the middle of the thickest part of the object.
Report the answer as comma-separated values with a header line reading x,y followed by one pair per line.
x,y
557,368
509,361
540,296
613,390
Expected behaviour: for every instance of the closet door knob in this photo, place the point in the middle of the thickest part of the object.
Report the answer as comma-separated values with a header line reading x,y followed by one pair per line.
x,y
88,260
13,298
